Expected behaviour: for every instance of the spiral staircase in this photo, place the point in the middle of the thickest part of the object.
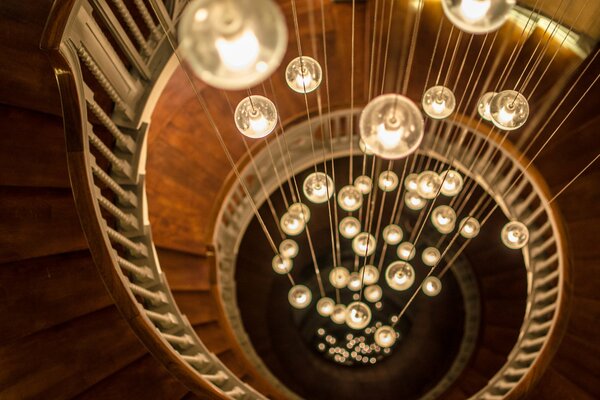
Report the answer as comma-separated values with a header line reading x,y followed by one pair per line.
x,y
100,133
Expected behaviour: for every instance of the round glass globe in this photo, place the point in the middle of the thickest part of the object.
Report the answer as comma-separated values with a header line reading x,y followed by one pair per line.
x,y
400,275
349,227
318,187
288,248
388,181
363,147
363,244
292,224
373,293
410,182
281,265
369,274
477,16
515,235
303,74
392,234
364,184
358,315
385,336
349,198
470,227
406,251
430,256
414,201
299,296
325,306
428,184
452,182
339,277
354,282
233,45
431,286
391,126
301,210
444,219
338,315
255,116
438,102
483,106
509,110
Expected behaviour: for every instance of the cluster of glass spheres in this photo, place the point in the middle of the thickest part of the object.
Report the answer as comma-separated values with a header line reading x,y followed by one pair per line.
x,y
507,110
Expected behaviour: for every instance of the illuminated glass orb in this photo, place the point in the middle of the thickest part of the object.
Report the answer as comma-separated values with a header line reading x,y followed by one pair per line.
x,y
325,306
233,45
431,286
373,293
339,314
301,210
444,219
392,234
509,110
391,126
363,147
369,274
430,256
354,282
410,182
318,187
400,275
483,106
349,198
288,248
255,116
452,183
438,102
358,315
339,277
363,244
406,251
515,235
281,265
388,181
385,336
349,227
299,296
470,227
477,16
303,74
414,201
428,184
292,224
364,184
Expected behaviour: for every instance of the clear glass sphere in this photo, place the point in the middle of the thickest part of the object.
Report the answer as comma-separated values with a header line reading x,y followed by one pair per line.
x,y
255,116
364,184
400,275
355,282
325,306
470,227
233,45
363,147
392,234
358,315
477,16
483,106
430,256
363,244
292,224
444,219
414,201
301,210
406,251
299,296
388,181
349,227
410,182
515,235
303,74
452,182
428,184
431,286
509,110
281,265
339,277
373,293
349,198
391,126
318,187
438,102
288,248
339,314
385,336
369,274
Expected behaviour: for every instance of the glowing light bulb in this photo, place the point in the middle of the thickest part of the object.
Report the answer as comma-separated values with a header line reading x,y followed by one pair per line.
x,y
364,184
354,282
392,234
406,251
255,116
338,315
281,265
318,187
363,244
428,184
414,201
349,227
288,248
400,275
452,182
410,182
430,256
515,235
303,74
299,296
301,210
369,274
477,16
438,102
431,286
509,110
349,198
240,52
291,224
385,336
325,306
475,10
373,293
358,315
339,277
391,126
483,107
388,181
444,219
470,227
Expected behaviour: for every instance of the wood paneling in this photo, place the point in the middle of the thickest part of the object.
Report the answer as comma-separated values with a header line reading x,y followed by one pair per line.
x,y
184,271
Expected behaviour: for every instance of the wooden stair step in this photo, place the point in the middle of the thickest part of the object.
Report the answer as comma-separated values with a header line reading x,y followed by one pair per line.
x,y
185,271
212,336
198,306
554,385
